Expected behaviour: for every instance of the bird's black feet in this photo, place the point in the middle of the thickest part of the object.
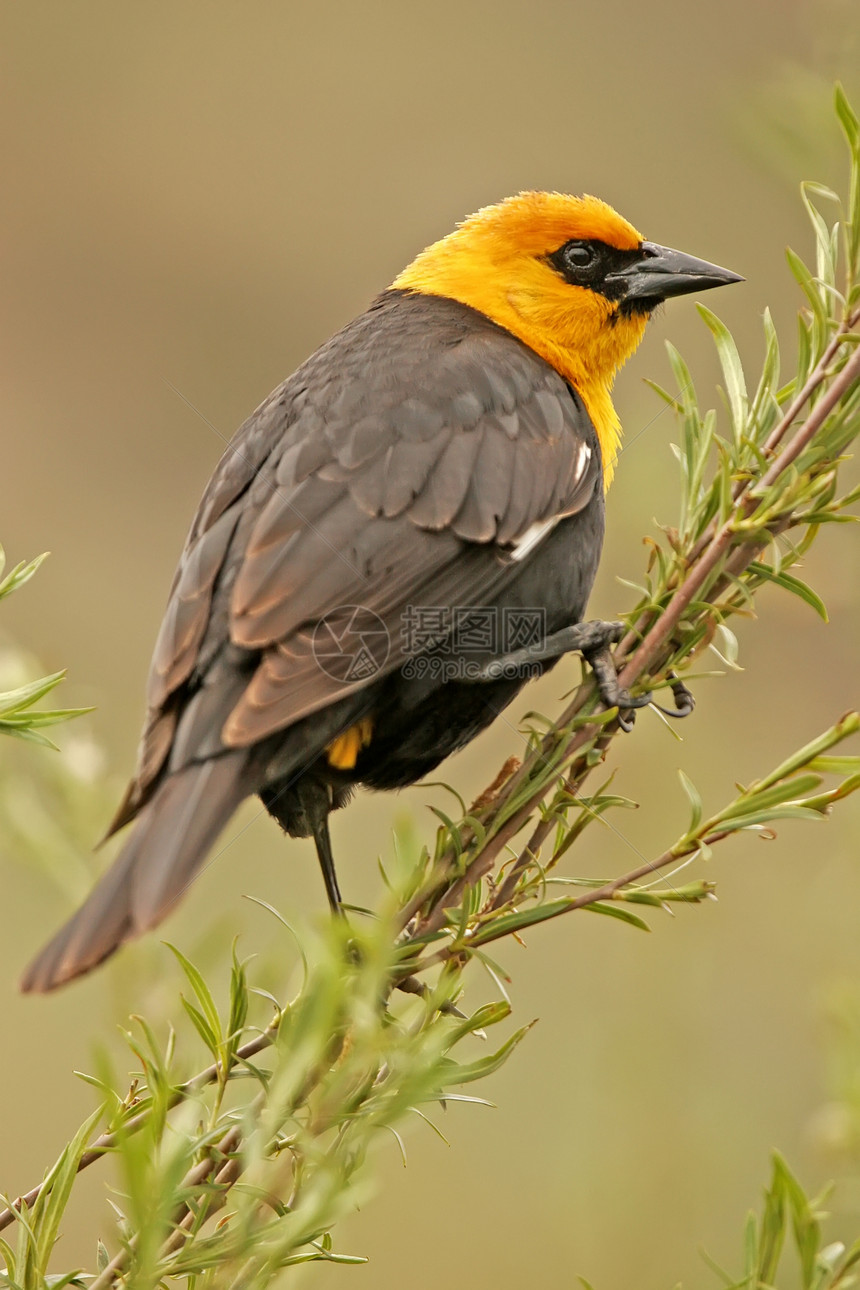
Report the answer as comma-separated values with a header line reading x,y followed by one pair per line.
x,y
603,665
592,640
587,638
613,694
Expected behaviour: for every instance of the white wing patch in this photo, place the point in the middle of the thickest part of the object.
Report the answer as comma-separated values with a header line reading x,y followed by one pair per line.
x,y
535,533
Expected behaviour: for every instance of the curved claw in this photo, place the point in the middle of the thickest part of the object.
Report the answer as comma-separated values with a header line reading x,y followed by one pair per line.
x,y
626,700
684,700
611,694
627,706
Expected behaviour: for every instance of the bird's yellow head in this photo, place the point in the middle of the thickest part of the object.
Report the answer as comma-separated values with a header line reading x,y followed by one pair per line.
x,y
571,278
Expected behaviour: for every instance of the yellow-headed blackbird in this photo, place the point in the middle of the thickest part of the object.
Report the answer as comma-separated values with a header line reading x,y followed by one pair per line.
x,y
400,535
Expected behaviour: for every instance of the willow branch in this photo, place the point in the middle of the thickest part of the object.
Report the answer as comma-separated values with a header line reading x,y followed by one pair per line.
x,y
596,895
657,640
661,633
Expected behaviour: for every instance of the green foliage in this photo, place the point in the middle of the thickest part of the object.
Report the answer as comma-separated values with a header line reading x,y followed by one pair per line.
x,y
50,811
340,1066
789,1218
231,1176
16,706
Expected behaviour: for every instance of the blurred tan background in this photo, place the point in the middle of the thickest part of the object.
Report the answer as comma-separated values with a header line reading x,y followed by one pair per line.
x,y
195,197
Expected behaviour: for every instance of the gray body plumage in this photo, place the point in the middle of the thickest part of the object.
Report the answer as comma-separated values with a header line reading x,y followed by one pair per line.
x,y
422,456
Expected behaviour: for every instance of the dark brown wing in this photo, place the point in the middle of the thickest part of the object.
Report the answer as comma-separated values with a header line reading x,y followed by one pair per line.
x,y
412,460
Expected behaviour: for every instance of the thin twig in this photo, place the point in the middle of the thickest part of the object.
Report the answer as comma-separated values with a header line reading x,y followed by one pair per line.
x,y
228,1145
591,897
108,1141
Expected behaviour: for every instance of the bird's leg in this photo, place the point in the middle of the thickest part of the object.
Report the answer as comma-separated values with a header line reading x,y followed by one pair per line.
x,y
592,640
302,810
317,807
322,842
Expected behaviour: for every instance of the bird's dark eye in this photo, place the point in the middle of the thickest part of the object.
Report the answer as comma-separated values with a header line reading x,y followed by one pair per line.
x,y
585,262
578,255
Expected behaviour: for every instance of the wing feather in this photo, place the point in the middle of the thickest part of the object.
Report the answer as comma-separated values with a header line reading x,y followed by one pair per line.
x,y
489,487
443,494
400,465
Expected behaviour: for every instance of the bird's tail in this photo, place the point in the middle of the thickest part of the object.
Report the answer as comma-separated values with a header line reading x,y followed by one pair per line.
x,y
171,837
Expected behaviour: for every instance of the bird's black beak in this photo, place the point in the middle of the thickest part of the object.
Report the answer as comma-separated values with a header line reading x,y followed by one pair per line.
x,y
660,272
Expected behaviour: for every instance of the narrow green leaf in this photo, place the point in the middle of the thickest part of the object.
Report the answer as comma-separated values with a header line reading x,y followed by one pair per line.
x,y
790,583
809,287
804,356
67,1279
25,695
22,573
519,920
682,374
772,1229
204,1030
29,736
467,1073
807,1232
238,1000
30,720
50,1206
5,1249
663,394
612,910
751,1247
790,811
791,790
851,1259
695,801
733,372
730,1282
847,117
490,1014
204,994
496,973
691,893
835,765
